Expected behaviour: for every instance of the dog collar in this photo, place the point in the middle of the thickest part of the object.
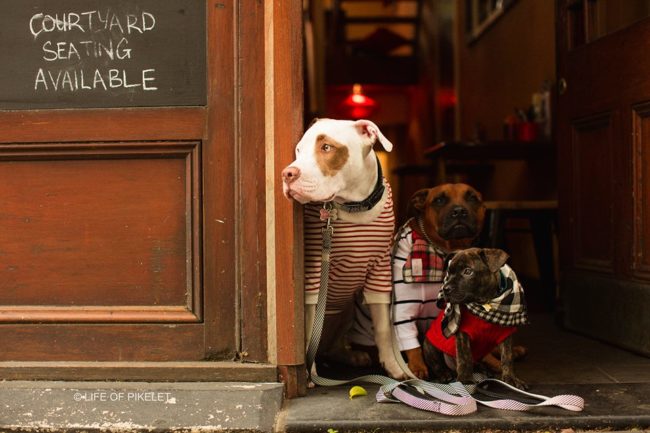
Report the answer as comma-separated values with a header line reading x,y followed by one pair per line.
x,y
424,233
370,201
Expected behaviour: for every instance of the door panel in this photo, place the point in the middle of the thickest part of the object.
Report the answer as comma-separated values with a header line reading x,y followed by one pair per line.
x,y
98,242
603,174
593,192
109,226
641,155
608,16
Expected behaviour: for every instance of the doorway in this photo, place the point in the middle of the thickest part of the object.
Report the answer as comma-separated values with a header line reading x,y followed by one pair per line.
x,y
482,92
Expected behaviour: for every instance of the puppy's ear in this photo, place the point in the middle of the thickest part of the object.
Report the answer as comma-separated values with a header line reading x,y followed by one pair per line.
x,y
447,260
416,204
494,258
369,129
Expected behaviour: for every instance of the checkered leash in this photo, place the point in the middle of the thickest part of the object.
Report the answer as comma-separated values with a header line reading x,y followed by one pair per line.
x,y
448,399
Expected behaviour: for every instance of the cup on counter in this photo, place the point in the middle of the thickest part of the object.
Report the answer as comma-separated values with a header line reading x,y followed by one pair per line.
x,y
527,131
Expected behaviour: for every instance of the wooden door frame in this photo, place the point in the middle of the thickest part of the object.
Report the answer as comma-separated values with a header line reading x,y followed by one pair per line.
x,y
284,125
254,117
271,122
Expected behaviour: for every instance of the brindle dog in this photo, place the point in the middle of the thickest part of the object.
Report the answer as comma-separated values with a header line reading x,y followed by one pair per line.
x,y
472,276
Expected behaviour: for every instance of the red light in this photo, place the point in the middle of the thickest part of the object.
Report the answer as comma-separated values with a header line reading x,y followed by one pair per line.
x,y
357,105
359,99
446,97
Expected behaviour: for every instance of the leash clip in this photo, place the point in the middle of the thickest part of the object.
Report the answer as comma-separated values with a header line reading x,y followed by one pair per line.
x,y
328,213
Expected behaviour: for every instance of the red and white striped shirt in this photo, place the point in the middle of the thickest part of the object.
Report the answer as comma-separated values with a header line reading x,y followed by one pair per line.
x,y
359,259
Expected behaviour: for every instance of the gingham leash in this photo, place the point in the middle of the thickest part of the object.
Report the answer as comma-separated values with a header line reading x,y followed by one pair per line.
x,y
448,399
458,399
525,400
319,317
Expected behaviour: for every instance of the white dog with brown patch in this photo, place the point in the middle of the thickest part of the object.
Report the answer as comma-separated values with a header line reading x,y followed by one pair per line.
x,y
335,162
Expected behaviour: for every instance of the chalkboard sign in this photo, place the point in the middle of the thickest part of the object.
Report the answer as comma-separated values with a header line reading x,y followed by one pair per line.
x,y
102,53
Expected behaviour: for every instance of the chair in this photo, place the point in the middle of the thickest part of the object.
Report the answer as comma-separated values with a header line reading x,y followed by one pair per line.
x,y
542,219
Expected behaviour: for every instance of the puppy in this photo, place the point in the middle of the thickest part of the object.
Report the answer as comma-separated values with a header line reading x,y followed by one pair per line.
x,y
484,305
335,163
443,219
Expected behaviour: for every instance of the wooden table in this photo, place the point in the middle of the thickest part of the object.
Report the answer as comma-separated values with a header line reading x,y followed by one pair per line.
x,y
468,153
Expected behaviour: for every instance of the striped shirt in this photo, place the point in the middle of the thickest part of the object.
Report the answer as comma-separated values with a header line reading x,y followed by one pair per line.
x,y
359,259
414,305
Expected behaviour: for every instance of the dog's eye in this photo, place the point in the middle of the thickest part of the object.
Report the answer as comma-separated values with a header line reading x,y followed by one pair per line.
x,y
440,200
468,272
326,147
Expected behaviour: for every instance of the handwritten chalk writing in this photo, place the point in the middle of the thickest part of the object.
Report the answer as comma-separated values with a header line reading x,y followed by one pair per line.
x,y
93,49
91,22
74,80
67,54
85,63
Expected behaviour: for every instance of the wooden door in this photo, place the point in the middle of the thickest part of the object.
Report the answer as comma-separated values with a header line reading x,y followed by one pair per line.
x,y
604,160
117,214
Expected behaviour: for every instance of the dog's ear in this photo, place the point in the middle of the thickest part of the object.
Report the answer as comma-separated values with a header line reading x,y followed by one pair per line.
x,y
416,203
473,195
368,128
447,260
314,120
494,258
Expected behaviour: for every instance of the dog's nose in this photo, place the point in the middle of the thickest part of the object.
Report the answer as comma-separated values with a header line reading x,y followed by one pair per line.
x,y
290,174
459,212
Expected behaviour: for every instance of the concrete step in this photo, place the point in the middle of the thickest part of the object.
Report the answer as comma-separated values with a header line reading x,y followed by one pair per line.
x,y
610,406
139,406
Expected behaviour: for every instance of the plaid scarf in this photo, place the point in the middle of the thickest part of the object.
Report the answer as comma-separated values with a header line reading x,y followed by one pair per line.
x,y
425,263
507,309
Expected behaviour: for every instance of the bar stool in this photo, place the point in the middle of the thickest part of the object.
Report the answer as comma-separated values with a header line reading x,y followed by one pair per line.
x,y
542,219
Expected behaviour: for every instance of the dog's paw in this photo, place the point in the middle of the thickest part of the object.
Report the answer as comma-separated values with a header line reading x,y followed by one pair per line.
x,y
443,375
308,374
514,381
393,369
466,379
419,369
491,363
519,352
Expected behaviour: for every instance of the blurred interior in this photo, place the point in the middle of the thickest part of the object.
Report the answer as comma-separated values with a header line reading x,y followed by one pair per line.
x,y
438,77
